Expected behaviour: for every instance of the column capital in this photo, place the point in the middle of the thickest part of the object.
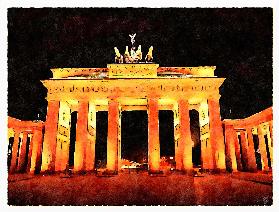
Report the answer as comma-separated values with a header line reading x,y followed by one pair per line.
x,y
17,130
152,98
259,129
25,133
213,100
229,126
52,100
113,100
242,132
115,93
153,95
31,133
151,102
182,101
249,128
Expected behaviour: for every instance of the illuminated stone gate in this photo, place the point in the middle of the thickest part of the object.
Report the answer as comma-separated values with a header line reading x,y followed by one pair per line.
x,y
127,87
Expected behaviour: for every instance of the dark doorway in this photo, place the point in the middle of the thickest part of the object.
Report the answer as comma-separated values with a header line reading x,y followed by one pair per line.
x,y
267,151
101,139
166,133
257,152
26,154
134,136
39,164
10,150
18,150
72,138
195,135
244,165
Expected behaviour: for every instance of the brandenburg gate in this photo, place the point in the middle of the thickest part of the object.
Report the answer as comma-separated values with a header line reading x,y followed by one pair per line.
x,y
130,84
127,87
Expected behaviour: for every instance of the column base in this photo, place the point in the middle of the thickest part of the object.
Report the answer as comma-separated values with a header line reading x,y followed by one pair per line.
x,y
232,171
215,171
218,171
110,172
252,170
155,173
12,172
80,172
267,171
189,172
33,172
48,172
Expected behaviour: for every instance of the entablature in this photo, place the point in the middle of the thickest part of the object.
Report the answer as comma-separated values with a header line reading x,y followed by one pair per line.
x,y
175,88
251,121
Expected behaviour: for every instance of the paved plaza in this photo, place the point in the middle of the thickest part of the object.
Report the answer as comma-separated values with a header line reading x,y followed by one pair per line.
x,y
141,189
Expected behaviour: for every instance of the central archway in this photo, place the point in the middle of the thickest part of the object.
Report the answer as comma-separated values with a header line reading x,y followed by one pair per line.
x,y
134,136
195,136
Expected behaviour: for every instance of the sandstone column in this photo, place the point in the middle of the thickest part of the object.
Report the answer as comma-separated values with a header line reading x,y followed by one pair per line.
x,y
37,142
270,123
185,140
244,148
63,137
22,155
30,152
230,137
49,146
14,152
216,134
90,147
262,148
153,136
177,143
252,165
119,139
113,133
270,142
206,151
81,137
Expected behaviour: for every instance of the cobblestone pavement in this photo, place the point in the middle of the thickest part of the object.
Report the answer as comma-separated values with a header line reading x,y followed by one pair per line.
x,y
141,189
